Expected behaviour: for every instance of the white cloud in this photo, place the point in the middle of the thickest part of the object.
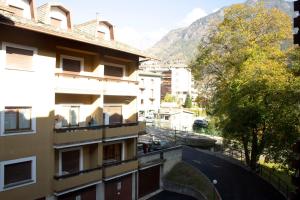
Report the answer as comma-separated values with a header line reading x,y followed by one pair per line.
x,y
140,40
192,16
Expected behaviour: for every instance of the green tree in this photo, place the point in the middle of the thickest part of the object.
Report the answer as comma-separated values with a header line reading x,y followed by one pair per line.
x,y
188,101
169,98
255,94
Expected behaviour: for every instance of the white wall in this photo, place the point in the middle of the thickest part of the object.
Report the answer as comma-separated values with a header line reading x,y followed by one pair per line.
x,y
24,4
57,13
105,29
149,83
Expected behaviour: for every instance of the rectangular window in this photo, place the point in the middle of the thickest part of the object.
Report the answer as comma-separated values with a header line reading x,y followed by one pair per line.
x,y
142,101
70,162
112,71
17,11
112,153
17,172
71,65
55,22
18,58
101,34
17,119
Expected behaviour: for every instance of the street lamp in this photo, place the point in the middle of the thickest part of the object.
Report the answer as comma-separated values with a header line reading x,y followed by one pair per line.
x,y
214,190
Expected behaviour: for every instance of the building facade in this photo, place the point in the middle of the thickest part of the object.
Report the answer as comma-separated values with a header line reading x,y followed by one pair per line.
x,y
68,118
149,93
177,79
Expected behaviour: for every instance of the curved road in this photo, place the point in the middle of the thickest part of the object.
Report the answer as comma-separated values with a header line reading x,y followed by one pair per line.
x,y
234,182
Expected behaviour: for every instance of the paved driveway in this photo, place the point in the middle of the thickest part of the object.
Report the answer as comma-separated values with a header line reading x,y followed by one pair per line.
x,y
166,195
234,182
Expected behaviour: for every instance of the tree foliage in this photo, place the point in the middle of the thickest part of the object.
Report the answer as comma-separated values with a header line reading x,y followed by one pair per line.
x,y
255,93
188,101
169,98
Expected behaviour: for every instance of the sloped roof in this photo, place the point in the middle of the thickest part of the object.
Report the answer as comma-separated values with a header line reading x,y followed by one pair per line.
x,y
8,18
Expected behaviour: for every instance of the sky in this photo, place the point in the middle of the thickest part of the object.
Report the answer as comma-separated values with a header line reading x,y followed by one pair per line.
x,y
141,23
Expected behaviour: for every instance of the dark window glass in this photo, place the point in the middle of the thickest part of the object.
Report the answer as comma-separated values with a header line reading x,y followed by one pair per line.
x,y
70,161
113,71
112,152
71,65
17,173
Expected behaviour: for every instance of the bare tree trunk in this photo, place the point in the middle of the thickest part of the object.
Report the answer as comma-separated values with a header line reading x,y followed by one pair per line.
x,y
245,140
254,150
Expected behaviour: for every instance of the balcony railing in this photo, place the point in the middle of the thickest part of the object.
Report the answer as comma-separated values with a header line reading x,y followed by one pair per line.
x,y
120,87
64,182
75,83
119,167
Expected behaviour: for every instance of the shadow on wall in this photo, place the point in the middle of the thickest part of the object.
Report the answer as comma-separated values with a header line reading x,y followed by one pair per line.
x,y
6,20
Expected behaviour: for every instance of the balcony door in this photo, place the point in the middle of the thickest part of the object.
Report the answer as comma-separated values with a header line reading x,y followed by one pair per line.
x,y
115,114
112,153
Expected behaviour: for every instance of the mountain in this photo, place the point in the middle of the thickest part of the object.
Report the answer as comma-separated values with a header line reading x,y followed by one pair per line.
x,y
181,43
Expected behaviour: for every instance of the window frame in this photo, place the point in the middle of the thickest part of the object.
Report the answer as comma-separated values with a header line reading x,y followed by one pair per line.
x,y
66,150
81,59
115,65
18,129
19,46
20,160
4,133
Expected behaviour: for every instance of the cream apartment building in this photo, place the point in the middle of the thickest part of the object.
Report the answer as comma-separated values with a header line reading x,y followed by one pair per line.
x,y
68,120
149,93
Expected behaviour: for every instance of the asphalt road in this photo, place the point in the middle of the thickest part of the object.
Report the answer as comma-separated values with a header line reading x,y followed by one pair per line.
x,y
234,182
166,195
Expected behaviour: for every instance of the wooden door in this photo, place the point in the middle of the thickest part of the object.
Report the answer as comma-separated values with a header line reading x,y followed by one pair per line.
x,y
149,180
119,189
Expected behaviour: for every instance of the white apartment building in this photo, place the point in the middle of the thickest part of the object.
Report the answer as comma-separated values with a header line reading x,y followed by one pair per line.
x,y
176,78
149,93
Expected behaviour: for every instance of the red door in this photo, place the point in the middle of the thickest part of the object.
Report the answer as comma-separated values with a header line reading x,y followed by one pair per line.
x,y
119,189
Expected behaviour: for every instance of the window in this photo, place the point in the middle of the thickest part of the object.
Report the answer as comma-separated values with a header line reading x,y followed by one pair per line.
x,y
101,34
55,22
72,64
19,58
113,71
17,11
70,161
17,119
112,153
17,173
142,101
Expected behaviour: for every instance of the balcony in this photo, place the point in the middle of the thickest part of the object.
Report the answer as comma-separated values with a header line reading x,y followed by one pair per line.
x,y
81,178
76,83
119,87
121,130
64,136
119,168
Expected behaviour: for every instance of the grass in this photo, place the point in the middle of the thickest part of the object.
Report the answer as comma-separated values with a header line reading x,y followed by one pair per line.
x,y
277,171
184,174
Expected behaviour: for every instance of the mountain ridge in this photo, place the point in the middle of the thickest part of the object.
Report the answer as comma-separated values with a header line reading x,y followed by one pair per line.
x,y
181,43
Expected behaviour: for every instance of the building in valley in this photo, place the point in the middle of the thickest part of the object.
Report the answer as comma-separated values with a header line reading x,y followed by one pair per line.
x,y
68,108
177,79
149,94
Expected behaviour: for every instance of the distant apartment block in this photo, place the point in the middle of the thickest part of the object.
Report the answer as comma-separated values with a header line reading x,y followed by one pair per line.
x,y
176,78
68,123
149,92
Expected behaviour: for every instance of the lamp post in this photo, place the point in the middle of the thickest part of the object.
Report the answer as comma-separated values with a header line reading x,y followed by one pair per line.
x,y
214,185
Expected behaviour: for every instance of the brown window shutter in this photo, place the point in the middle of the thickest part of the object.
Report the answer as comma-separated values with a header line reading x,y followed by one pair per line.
x,y
71,65
19,58
17,11
101,34
17,172
113,71
55,22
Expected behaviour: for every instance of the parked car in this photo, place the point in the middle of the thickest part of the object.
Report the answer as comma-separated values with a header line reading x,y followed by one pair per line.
x,y
200,123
